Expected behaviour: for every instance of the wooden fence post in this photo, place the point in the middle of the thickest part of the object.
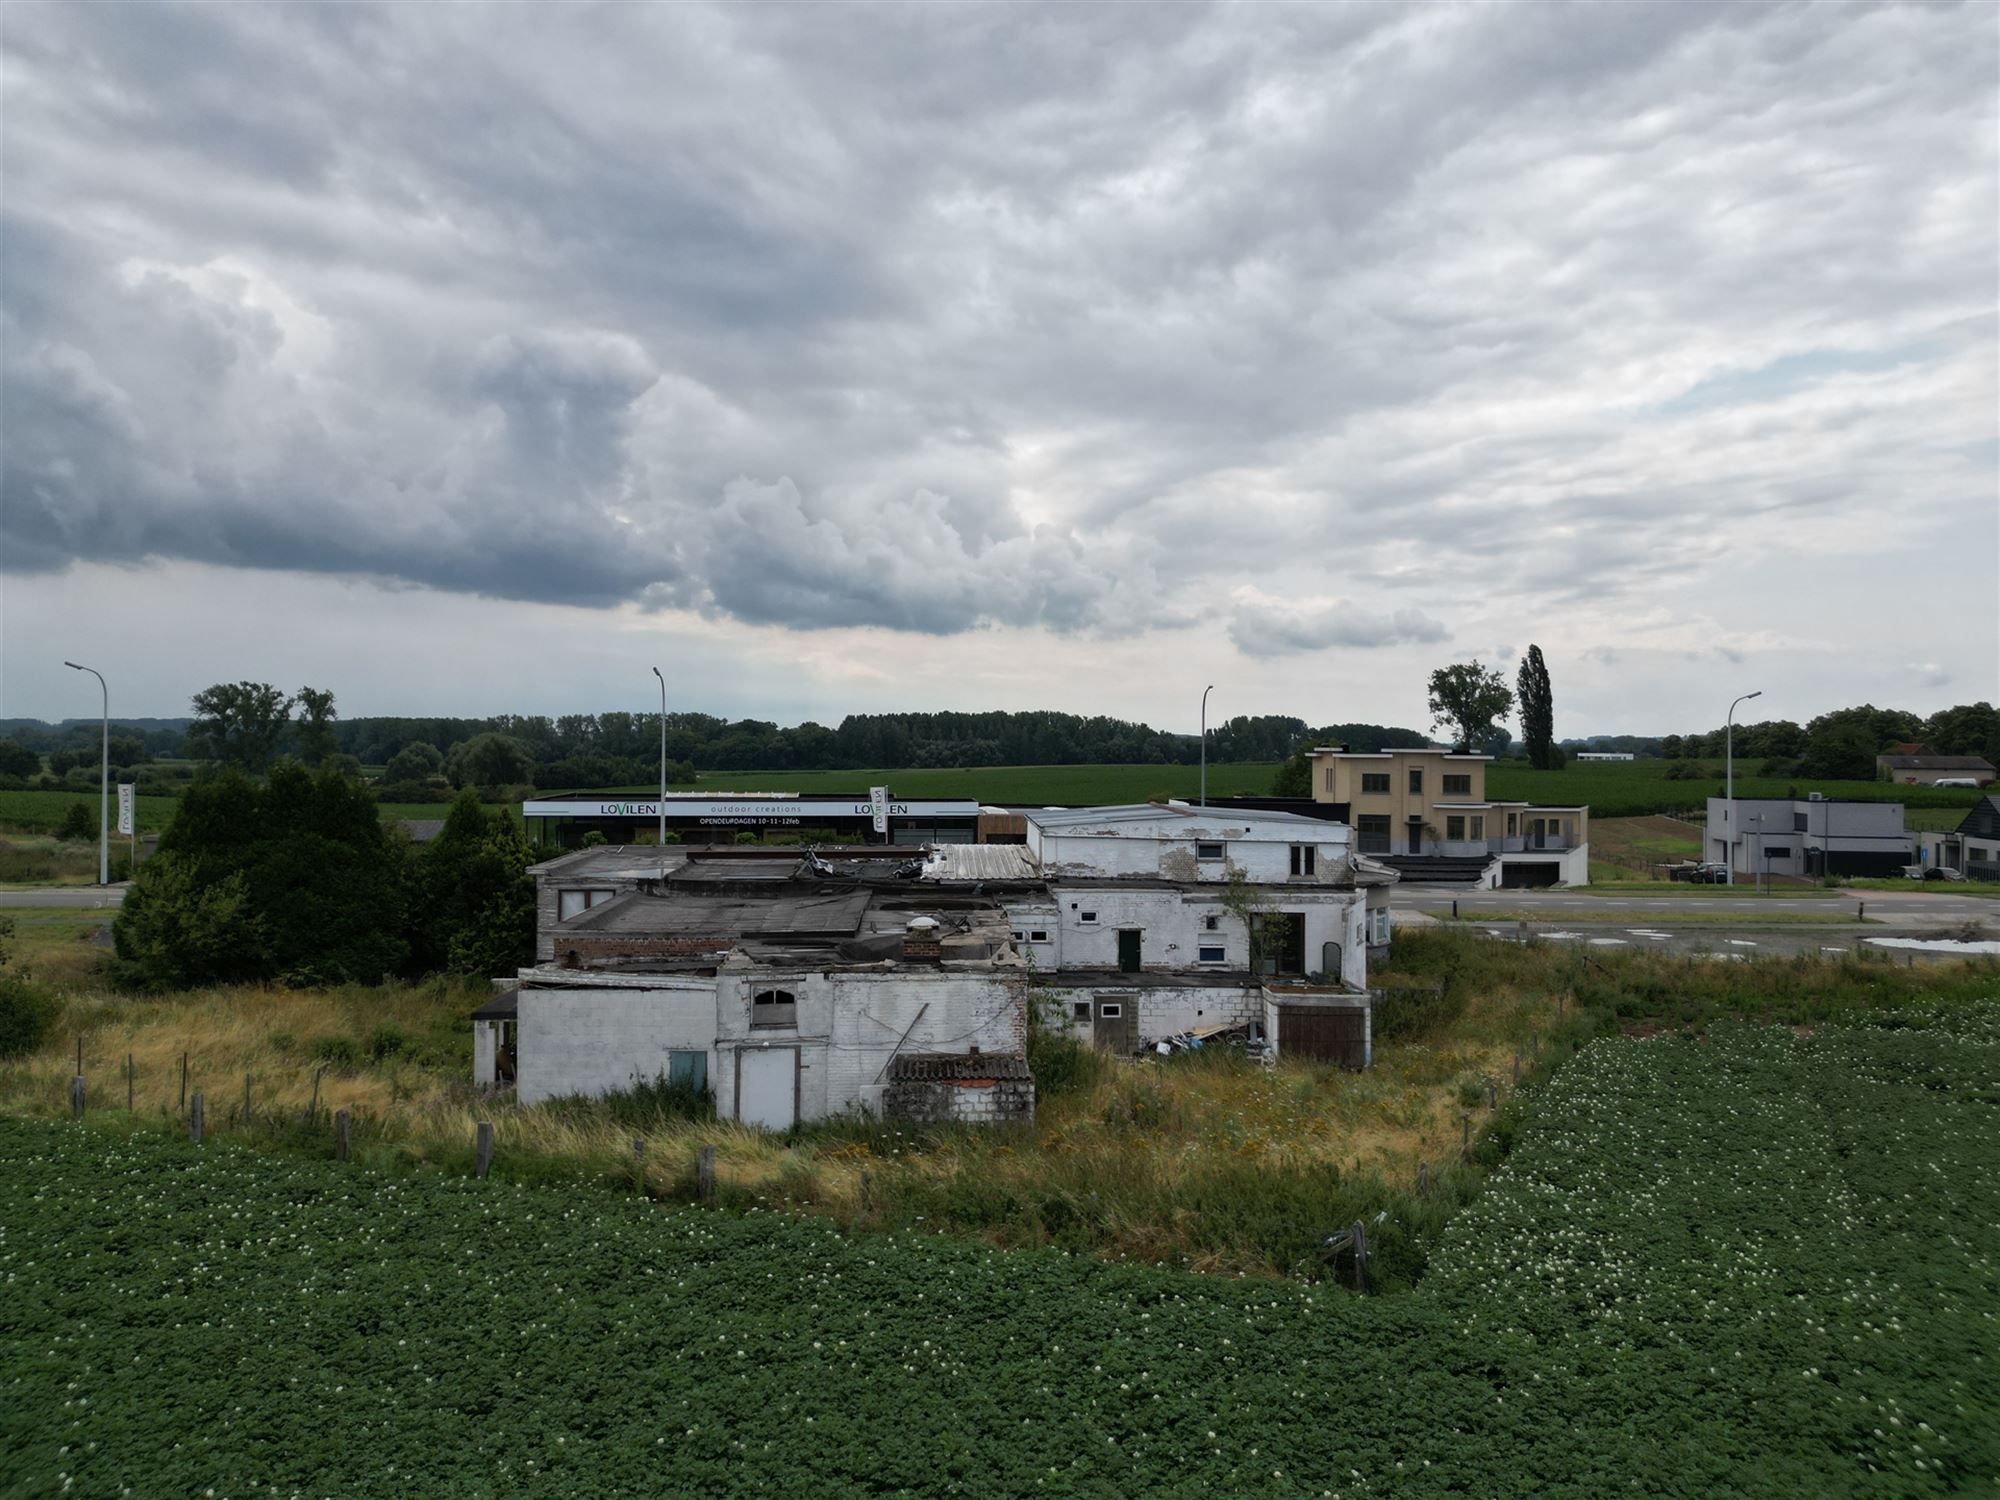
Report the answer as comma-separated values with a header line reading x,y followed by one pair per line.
x,y
312,1109
79,1056
76,1097
1360,1256
194,1118
340,1147
704,1174
483,1147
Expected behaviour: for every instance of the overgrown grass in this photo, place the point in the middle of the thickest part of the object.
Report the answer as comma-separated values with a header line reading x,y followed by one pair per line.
x,y
1208,1161
38,859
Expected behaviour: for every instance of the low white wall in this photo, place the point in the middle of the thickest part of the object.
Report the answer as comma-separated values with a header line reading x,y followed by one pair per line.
x,y
597,1040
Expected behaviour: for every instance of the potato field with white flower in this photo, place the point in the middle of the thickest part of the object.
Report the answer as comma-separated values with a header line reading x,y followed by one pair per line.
x,y
1752,1262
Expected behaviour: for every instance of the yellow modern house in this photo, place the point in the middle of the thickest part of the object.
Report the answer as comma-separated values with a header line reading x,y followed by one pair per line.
x,y
1427,812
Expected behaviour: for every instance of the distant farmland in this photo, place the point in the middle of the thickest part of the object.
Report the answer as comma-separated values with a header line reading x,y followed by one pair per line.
x,y
1025,786
1637,788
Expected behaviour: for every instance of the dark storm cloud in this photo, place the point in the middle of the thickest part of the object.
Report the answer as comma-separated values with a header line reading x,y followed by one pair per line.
x,y
937,319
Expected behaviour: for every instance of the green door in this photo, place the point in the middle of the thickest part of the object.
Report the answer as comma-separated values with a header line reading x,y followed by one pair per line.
x,y
1128,950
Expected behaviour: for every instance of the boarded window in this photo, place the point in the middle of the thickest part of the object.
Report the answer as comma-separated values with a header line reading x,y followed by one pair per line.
x,y
774,1008
1079,1010
688,1070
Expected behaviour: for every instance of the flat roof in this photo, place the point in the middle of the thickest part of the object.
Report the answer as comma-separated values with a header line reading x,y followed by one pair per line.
x,y
614,862
1083,819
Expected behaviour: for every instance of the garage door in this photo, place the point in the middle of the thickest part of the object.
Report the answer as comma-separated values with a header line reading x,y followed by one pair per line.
x,y
767,1087
1324,1035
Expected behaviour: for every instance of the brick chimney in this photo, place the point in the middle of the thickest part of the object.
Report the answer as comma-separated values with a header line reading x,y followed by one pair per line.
x,y
920,941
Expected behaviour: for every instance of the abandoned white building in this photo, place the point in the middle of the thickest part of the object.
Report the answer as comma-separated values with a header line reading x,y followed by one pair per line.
x,y
799,987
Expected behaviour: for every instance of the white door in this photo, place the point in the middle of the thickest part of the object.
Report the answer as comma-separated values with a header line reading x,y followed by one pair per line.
x,y
767,1087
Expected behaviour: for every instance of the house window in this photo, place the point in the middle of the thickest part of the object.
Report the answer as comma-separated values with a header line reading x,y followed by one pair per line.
x,y
1778,851
774,1008
1798,822
1454,828
1208,851
1479,825
1079,1010
1211,924
1373,829
1036,935
1374,783
1329,779
1020,937
1110,1010
1458,786
1302,859
1416,781
1381,925
1213,955
688,1070
576,903
1088,919
1513,824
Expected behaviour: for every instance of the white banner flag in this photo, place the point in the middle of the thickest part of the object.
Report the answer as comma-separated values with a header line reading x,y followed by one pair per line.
x,y
879,795
125,807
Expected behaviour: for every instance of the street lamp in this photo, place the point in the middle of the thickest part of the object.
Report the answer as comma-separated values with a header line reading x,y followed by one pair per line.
x,y
1204,742
663,760
103,781
1729,787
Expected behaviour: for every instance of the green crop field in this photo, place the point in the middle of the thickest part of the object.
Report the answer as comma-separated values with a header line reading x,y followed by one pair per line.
x,y
42,812
1755,1263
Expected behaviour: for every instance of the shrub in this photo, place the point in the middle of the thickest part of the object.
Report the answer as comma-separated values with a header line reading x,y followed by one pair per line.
x,y
1061,1063
387,1041
78,822
28,1014
337,1051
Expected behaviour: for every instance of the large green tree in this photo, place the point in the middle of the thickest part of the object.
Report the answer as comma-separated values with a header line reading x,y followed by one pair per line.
x,y
292,880
240,724
1538,714
473,907
316,717
1466,698
489,760
416,761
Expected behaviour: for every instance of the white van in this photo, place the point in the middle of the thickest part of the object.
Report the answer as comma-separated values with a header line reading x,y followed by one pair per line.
x,y
1956,781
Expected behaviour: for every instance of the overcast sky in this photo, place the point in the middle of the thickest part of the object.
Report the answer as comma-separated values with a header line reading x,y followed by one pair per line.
x,y
467,360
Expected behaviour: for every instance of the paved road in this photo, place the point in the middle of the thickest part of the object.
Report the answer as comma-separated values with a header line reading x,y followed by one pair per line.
x,y
1923,908
75,897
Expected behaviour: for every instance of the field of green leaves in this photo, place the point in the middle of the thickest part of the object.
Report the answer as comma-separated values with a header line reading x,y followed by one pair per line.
x,y
1754,1262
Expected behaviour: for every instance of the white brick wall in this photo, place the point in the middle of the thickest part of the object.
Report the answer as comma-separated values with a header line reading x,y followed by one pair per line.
x,y
597,1040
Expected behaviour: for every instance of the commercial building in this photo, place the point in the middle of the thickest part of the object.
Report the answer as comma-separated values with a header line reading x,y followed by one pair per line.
x,y
1812,836
1426,813
800,985
557,822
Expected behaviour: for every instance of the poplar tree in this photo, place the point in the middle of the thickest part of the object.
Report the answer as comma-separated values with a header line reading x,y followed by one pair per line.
x,y
1538,715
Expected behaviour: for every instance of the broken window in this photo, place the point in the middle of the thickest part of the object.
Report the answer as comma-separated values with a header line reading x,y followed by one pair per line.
x,y
1079,1010
1212,923
774,1008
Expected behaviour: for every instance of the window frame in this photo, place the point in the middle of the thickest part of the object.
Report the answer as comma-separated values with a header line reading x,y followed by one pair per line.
x,y
1212,953
1454,828
1202,851
778,1014
1305,860
1416,781
1457,784
1375,784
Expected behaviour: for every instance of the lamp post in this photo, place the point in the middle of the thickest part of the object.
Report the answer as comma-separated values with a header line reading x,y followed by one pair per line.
x,y
1729,783
663,758
1204,742
103,780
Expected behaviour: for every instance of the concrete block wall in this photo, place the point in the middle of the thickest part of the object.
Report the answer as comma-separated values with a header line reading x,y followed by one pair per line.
x,y
1163,1010
597,1040
984,1101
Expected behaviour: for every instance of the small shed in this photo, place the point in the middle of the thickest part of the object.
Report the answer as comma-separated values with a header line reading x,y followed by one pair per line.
x,y
495,1029
960,1088
1320,1024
